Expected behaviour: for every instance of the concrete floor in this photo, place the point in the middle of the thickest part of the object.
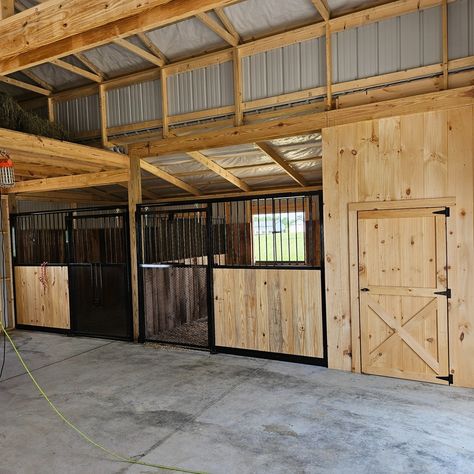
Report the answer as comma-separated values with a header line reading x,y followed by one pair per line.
x,y
222,414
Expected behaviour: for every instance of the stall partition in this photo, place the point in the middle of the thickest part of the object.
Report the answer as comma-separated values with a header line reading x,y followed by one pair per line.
x,y
71,271
240,275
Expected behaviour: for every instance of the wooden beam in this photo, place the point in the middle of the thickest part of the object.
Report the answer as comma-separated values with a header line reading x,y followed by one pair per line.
x,y
32,28
444,20
51,111
103,115
274,155
133,48
7,8
152,47
134,198
36,145
323,8
38,44
294,126
238,88
328,67
24,85
76,70
34,77
88,63
154,170
213,166
227,23
165,120
218,29
77,181
9,292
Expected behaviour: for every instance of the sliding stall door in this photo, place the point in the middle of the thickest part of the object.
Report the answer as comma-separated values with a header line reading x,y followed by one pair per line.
x,y
175,276
99,275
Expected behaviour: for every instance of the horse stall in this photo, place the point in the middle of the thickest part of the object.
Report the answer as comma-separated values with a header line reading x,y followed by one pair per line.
x,y
71,271
243,275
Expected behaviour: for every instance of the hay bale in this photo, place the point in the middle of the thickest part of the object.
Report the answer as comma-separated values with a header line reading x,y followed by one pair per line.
x,y
13,117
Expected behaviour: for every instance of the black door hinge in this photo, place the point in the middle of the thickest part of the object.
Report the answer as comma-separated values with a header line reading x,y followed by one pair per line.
x,y
364,289
447,378
446,293
443,212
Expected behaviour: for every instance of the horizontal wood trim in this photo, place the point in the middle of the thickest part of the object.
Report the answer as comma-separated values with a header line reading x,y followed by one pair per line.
x,y
200,114
199,62
405,291
402,213
25,85
77,181
402,204
132,127
311,123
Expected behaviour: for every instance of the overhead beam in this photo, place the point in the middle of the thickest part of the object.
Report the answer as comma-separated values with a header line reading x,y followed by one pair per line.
x,y
294,126
88,63
227,23
34,77
77,181
27,52
274,155
76,70
32,28
133,48
159,173
152,47
25,85
36,145
213,166
218,29
323,8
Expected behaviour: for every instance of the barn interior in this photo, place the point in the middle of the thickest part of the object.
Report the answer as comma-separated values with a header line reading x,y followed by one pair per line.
x,y
237,235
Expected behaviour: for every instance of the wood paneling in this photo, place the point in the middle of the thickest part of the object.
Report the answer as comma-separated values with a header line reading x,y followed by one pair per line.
x,y
415,156
269,310
38,304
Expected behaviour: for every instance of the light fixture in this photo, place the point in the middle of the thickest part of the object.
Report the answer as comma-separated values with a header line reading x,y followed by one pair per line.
x,y
7,172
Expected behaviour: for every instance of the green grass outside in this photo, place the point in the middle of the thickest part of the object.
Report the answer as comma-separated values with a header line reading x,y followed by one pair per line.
x,y
279,247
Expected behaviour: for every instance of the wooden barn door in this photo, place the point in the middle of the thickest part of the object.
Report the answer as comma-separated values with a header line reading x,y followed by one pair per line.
x,y
403,293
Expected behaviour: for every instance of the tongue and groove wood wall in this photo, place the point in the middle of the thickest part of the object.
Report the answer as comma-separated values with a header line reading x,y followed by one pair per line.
x,y
417,156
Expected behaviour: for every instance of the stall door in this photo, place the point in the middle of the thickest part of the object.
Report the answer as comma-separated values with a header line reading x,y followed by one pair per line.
x,y
174,272
99,276
403,293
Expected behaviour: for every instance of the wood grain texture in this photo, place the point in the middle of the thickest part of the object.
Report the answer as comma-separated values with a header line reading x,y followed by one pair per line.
x,y
402,158
269,310
46,306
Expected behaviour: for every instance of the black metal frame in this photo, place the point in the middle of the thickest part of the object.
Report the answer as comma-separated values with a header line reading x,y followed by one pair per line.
x,y
71,214
148,208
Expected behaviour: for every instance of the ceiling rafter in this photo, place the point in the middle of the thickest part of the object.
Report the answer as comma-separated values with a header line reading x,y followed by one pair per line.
x,y
287,167
152,47
76,70
154,170
323,8
213,166
221,14
133,48
41,82
88,63
25,85
218,29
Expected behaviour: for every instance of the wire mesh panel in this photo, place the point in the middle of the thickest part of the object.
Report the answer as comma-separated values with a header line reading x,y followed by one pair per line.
x,y
174,272
40,238
273,232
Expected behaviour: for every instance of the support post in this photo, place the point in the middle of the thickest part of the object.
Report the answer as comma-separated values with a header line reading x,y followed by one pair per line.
x,y
51,114
103,115
444,11
238,93
134,198
7,284
328,67
164,103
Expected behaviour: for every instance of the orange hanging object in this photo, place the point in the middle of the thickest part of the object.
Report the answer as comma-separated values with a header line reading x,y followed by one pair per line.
x,y
7,173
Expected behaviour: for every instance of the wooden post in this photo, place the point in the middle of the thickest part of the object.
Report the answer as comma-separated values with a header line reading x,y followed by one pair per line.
x,y
7,290
164,103
444,7
103,115
51,114
238,92
7,8
134,198
328,67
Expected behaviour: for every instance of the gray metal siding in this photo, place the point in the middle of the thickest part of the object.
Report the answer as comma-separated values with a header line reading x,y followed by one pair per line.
x,y
134,104
284,70
201,89
80,114
405,42
461,29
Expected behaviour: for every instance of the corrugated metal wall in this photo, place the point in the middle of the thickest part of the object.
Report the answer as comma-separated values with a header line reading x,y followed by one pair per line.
x,y
134,104
461,29
283,70
201,89
392,45
80,114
